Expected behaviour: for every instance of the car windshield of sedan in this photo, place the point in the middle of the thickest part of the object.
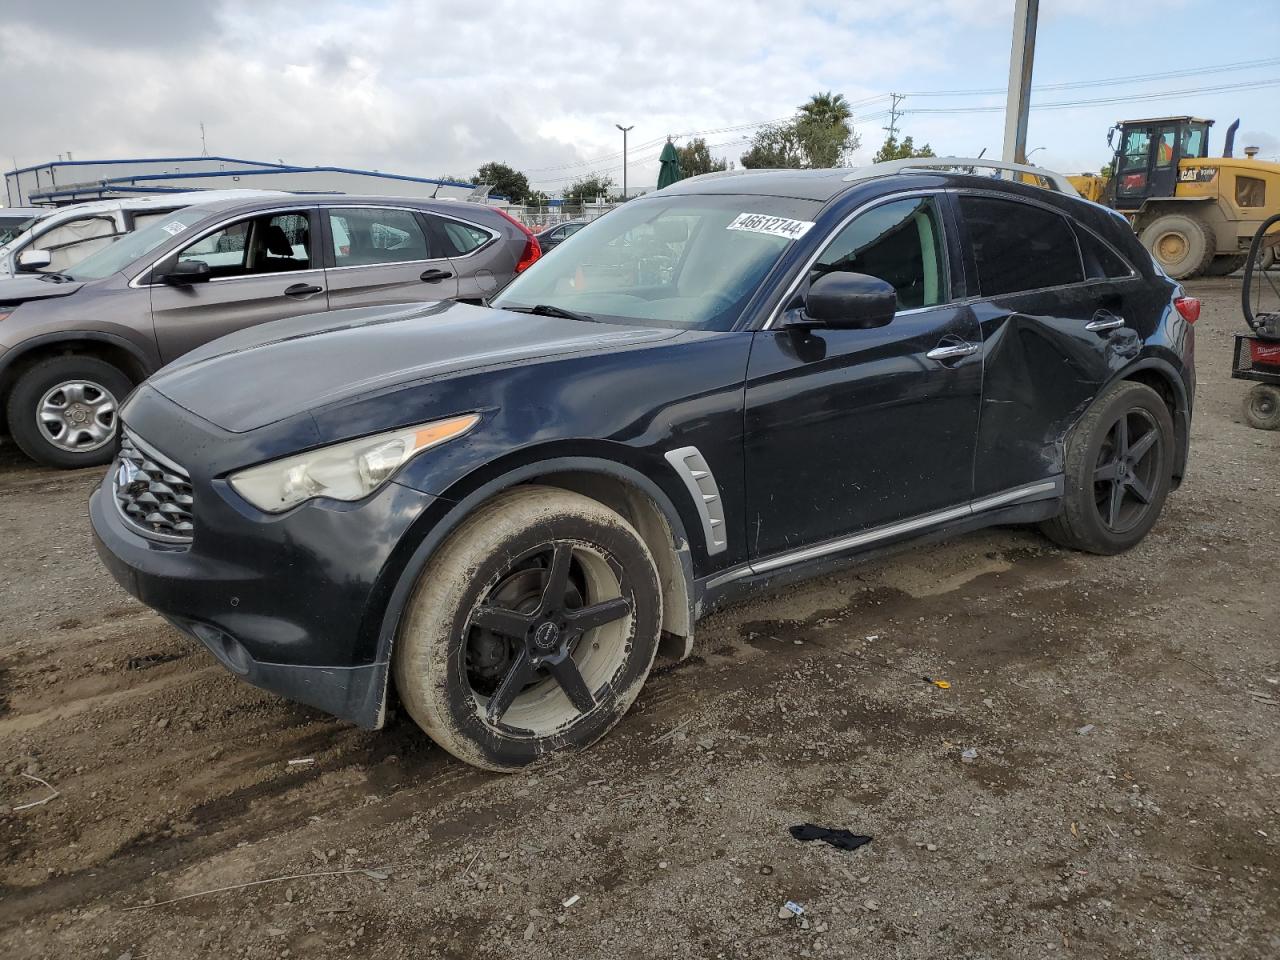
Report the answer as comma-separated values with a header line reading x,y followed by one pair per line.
x,y
686,261
118,255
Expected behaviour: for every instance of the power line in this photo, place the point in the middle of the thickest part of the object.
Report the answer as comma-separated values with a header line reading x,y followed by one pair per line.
x,y
1110,81
1063,104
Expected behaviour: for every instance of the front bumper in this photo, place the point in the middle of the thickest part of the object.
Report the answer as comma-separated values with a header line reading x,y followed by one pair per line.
x,y
292,603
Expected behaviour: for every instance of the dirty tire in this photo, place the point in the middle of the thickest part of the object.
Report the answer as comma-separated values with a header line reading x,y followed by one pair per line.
x,y
1262,407
441,652
1225,266
1084,523
1182,244
35,384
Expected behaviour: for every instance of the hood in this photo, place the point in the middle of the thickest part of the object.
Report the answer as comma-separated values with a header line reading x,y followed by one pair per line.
x,y
276,370
21,288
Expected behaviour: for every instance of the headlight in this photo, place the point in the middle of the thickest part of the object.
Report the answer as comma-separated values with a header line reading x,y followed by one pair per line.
x,y
344,471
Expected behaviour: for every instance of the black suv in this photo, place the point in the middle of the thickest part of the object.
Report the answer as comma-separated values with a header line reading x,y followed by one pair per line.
x,y
734,381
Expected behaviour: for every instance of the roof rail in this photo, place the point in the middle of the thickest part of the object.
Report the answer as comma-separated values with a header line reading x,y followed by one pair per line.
x,y
922,164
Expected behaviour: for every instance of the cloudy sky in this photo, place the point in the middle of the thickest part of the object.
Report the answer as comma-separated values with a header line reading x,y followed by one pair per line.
x,y
437,87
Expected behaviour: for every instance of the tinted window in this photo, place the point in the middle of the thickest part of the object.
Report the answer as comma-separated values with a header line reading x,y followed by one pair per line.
x,y
461,238
899,242
1018,246
275,243
1100,261
368,235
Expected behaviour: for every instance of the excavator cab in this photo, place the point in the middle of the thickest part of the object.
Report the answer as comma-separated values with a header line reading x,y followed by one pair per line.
x,y
1147,155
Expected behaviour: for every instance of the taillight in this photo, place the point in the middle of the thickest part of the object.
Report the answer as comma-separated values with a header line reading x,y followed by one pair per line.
x,y
532,249
1188,307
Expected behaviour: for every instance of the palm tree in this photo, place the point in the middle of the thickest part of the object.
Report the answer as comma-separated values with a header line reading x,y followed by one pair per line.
x,y
827,109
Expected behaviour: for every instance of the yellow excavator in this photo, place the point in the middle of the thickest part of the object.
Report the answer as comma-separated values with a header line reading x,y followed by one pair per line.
x,y
1196,214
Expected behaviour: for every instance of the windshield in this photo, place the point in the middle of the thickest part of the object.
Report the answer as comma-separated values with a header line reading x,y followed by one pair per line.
x,y
691,262
130,247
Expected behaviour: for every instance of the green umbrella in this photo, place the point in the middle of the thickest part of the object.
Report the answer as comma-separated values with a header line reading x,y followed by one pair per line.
x,y
670,171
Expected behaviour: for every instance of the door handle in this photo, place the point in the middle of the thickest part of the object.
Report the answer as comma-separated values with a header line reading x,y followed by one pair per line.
x,y
1104,321
434,276
301,290
952,351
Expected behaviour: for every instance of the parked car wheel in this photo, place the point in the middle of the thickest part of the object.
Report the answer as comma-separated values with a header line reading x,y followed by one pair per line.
x,y
1118,472
532,629
64,411
1183,245
1262,407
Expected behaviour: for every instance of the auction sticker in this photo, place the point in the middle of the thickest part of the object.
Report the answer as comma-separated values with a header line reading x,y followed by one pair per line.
x,y
173,229
774,226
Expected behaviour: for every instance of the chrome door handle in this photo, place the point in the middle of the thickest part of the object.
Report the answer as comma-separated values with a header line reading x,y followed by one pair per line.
x,y
1105,321
952,351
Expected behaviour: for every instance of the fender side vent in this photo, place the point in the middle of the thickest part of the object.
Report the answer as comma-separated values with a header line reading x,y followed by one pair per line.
x,y
696,474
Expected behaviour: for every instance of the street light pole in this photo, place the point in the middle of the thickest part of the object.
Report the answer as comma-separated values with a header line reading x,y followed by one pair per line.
x,y
624,157
1025,14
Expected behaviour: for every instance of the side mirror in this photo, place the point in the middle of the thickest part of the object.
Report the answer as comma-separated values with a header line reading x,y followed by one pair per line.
x,y
32,260
851,301
186,272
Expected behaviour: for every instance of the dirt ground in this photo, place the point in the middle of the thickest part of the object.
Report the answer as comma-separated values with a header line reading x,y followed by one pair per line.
x,y
1124,800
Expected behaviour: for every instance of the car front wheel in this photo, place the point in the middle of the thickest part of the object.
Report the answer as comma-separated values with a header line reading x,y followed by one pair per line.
x,y
1118,471
532,629
64,411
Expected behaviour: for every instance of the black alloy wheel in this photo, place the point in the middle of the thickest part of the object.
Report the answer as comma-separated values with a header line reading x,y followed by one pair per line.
x,y
527,633
1129,466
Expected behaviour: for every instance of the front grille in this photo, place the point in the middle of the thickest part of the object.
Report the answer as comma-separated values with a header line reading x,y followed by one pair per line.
x,y
152,492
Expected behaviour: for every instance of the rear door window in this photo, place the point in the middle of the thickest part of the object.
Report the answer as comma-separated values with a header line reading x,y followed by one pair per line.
x,y
899,242
1018,246
364,236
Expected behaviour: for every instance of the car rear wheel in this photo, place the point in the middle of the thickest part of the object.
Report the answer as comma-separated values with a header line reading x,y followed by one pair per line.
x,y
1183,245
1262,407
532,630
1118,472
64,411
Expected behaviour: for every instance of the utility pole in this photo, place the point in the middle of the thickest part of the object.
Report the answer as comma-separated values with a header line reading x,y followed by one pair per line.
x,y
1021,56
894,114
204,148
624,157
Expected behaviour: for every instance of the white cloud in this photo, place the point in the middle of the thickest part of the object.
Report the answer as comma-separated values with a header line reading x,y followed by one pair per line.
x,y
431,87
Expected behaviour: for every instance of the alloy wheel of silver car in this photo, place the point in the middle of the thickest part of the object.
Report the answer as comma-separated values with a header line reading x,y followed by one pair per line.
x,y
77,416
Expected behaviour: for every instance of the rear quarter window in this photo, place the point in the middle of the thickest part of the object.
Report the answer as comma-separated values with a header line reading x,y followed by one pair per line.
x,y
1018,246
1100,261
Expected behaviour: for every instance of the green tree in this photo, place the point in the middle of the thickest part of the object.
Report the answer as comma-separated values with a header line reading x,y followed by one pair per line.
x,y
588,188
893,150
824,131
819,136
827,109
775,145
506,181
696,159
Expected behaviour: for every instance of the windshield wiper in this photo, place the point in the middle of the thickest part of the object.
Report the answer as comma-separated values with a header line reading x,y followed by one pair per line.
x,y
551,310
